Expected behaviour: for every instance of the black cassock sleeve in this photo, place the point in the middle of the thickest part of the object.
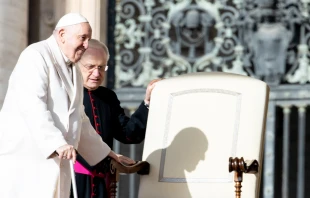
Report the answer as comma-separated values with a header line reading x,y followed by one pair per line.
x,y
129,130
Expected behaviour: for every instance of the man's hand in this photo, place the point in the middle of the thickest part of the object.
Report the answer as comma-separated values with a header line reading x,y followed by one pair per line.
x,y
125,160
67,152
149,90
121,159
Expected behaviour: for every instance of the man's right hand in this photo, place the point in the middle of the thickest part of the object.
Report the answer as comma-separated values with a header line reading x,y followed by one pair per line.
x,y
121,159
67,152
149,90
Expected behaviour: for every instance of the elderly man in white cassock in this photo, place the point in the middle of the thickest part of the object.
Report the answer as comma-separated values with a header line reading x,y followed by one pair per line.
x,y
42,122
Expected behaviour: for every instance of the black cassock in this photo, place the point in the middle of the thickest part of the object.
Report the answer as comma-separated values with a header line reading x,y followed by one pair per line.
x,y
109,120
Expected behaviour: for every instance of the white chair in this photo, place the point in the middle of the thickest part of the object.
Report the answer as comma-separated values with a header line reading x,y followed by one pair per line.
x,y
199,127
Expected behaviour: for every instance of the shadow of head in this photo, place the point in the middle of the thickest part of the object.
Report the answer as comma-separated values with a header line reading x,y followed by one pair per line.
x,y
188,148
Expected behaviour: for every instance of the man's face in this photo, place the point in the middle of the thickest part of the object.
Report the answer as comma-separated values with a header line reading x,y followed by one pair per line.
x,y
92,65
75,40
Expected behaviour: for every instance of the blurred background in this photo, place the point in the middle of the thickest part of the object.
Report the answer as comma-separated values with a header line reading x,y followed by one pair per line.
x,y
147,39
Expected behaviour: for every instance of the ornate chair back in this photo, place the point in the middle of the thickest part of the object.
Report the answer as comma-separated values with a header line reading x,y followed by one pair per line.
x,y
196,123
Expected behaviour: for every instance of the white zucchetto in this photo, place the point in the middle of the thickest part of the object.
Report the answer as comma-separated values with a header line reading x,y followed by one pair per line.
x,y
71,19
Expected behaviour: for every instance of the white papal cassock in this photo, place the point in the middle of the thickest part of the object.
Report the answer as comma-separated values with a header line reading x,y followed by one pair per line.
x,y
42,111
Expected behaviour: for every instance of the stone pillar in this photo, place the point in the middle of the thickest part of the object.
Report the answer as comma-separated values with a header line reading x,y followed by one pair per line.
x,y
94,11
13,38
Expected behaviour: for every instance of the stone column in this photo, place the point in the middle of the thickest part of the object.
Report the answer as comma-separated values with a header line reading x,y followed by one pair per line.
x,y
94,11
13,38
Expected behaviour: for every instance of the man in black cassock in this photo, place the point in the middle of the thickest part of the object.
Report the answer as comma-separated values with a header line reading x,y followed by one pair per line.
x,y
107,117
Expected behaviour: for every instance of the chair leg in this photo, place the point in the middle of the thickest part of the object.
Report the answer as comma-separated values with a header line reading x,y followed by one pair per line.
x,y
114,178
238,181
113,187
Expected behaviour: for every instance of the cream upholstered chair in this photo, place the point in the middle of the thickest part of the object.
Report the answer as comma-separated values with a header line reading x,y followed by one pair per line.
x,y
199,127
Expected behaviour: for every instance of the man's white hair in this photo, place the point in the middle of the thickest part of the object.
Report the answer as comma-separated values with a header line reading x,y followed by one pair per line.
x,y
93,43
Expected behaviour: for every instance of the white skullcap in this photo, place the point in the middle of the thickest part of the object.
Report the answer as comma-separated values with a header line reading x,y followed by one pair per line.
x,y
71,19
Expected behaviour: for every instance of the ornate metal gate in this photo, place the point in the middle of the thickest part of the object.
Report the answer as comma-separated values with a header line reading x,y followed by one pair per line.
x,y
265,39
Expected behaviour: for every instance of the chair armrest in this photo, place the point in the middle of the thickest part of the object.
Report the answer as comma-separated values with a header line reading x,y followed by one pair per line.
x,y
240,166
140,167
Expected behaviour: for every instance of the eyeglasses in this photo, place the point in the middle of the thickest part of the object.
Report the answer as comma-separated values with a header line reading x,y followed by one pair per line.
x,y
91,68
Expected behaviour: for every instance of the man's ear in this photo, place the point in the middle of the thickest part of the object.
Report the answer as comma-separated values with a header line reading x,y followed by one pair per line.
x,y
61,33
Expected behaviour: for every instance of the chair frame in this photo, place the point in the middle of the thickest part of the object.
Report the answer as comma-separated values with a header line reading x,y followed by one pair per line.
x,y
116,168
238,165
